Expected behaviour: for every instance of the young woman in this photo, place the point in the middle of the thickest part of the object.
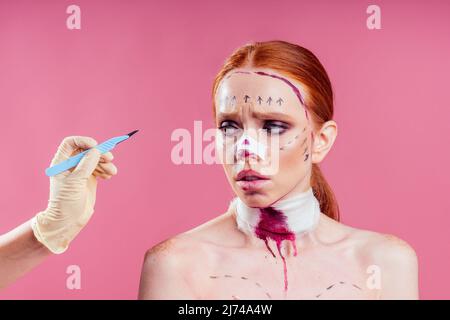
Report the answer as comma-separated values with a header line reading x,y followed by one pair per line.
x,y
280,237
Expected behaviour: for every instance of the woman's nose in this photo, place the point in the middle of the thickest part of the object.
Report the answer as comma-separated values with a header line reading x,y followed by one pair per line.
x,y
249,147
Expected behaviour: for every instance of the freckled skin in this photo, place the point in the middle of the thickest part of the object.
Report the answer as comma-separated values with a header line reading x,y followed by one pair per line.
x,y
212,258
217,261
292,175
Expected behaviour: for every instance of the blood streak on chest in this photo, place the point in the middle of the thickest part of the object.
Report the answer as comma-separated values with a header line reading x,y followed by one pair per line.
x,y
273,225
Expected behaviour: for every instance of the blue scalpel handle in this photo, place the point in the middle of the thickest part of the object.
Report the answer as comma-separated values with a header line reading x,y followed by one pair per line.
x,y
104,147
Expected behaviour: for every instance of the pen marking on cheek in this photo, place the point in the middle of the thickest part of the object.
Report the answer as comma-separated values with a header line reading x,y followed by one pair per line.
x,y
306,156
246,98
269,101
289,142
304,141
306,149
279,101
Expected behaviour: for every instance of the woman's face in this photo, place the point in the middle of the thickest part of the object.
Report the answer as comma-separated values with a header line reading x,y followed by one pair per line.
x,y
264,135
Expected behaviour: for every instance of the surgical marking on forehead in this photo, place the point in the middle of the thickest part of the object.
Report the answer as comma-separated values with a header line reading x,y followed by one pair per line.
x,y
259,100
294,88
233,101
226,100
246,72
291,85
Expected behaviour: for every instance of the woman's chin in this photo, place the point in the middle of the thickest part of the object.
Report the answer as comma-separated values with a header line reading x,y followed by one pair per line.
x,y
255,199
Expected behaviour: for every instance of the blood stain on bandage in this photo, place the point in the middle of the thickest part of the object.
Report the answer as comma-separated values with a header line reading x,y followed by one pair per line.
x,y
273,225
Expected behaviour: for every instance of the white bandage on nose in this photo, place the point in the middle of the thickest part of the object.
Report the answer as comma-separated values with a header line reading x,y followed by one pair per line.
x,y
247,144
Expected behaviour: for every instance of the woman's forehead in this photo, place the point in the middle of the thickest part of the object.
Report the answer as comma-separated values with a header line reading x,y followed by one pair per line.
x,y
267,89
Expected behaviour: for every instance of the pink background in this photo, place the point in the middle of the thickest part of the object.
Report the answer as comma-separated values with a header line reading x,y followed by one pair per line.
x,y
149,65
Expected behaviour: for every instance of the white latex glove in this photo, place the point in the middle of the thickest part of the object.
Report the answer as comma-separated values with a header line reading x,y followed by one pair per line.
x,y
72,194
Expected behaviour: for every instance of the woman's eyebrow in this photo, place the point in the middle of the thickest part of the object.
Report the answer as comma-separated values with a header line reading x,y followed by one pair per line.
x,y
226,116
256,114
270,115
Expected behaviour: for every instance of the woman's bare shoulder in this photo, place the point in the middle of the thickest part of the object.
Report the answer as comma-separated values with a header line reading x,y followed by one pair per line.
x,y
390,251
382,246
393,261
374,242
169,269
194,240
387,251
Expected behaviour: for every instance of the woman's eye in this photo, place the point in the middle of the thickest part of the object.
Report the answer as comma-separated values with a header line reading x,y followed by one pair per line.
x,y
228,128
275,127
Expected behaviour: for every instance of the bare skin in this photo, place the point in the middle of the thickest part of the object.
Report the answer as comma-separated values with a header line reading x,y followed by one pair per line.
x,y
218,261
20,251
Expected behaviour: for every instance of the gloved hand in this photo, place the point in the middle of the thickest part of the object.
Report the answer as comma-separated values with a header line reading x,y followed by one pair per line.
x,y
72,194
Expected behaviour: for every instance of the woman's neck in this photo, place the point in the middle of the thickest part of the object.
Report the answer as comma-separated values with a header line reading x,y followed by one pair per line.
x,y
285,219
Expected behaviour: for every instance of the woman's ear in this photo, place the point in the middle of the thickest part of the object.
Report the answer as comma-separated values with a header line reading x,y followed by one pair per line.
x,y
323,141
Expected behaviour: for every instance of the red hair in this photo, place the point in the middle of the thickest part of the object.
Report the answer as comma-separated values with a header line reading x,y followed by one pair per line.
x,y
302,65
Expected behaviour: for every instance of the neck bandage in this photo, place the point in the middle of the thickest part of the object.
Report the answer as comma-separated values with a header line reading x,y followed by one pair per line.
x,y
283,220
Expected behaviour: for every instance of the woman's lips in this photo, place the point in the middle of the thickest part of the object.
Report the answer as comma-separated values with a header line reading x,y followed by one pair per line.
x,y
251,180
252,185
248,174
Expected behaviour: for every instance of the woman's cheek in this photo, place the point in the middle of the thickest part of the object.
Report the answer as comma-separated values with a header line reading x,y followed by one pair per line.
x,y
291,162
